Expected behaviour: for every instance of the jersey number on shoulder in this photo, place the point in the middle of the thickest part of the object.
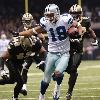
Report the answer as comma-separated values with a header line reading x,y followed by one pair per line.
x,y
61,31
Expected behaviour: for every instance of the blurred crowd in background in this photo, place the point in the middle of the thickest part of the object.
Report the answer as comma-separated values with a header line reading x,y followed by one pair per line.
x,y
12,11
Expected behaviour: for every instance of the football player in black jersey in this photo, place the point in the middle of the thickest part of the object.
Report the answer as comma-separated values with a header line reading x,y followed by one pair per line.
x,y
28,22
20,51
19,57
76,50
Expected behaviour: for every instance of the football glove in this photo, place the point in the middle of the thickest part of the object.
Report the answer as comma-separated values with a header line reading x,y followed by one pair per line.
x,y
4,74
95,43
14,33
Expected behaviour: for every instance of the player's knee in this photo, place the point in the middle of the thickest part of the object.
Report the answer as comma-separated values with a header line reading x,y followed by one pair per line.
x,y
58,79
25,66
75,74
27,63
21,82
12,82
72,70
58,75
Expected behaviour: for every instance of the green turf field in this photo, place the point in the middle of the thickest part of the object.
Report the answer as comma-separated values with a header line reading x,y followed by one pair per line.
x,y
87,86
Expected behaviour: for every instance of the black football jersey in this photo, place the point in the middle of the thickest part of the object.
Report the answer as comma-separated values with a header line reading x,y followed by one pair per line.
x,y
20,52
86,23
78,46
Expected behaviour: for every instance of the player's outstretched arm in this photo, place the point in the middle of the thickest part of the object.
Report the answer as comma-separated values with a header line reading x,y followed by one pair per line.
x,y
93,35
33,31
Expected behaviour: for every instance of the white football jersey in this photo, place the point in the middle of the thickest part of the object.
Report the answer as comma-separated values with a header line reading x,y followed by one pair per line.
x,y
57,33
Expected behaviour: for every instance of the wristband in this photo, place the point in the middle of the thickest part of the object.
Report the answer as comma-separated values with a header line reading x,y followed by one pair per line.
x,y
34,31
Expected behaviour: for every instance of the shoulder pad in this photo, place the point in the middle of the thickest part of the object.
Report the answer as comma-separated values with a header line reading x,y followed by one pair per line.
x,y
86,19
67,18
86,22
43,22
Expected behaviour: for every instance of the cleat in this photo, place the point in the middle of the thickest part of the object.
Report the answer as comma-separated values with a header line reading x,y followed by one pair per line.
x,y
14,98
24,92
68,96
55,97
56,93
41,97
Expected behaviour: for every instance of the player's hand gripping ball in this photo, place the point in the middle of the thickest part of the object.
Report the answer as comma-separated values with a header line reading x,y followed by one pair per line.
x,y
72,31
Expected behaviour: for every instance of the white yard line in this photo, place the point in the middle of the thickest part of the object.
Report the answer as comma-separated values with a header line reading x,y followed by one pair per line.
x,y
88,67
34,84
80,89
80,68
76,96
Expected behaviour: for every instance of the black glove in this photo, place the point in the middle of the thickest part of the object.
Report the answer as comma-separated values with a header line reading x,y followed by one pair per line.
x,y
14,33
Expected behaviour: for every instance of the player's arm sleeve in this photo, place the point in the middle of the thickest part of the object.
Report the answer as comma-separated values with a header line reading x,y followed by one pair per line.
x,y
88,23
41,27
93,35
70,21
43,23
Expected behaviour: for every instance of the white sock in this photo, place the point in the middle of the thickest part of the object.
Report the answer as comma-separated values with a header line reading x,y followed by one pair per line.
x,y
24,87
57,87
41,96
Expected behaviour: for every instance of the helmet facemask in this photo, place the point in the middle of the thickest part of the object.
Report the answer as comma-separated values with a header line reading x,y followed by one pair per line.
x,y
49,17
77,17
27,23
52,13
27,20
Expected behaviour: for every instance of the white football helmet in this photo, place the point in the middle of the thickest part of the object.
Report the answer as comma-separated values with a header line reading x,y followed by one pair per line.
x,y
27,20
52,12
76,11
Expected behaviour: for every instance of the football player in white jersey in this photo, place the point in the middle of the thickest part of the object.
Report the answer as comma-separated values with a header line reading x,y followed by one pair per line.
x,y
58,55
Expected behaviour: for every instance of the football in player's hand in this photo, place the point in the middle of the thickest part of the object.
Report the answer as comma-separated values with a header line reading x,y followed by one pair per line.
x,y
72,31
75,23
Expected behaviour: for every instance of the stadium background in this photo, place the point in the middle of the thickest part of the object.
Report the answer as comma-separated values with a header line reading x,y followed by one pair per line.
x,y
11,12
